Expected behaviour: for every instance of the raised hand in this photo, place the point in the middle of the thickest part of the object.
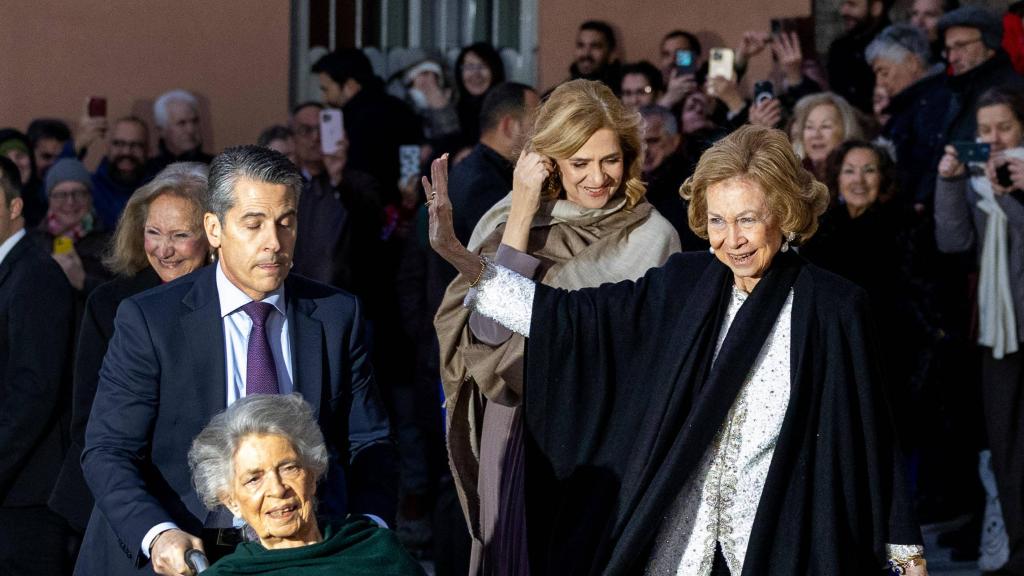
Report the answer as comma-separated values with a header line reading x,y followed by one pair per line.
x,y
786,49
441,230
950,166
531,171
767,113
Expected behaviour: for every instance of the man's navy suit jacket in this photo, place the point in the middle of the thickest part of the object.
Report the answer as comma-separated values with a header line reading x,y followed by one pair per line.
x,y
164,377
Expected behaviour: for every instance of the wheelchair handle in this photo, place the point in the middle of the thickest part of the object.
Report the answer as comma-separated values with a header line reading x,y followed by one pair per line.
x,y
196,560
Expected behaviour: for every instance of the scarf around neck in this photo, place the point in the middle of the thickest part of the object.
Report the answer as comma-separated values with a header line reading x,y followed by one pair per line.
x,y
997,319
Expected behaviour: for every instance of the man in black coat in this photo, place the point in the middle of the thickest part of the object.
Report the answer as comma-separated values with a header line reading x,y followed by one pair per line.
x,y
376,123
182,352
849,74
36,324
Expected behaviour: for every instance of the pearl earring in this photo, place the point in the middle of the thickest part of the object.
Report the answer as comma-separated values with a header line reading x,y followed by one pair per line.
x,y
711,249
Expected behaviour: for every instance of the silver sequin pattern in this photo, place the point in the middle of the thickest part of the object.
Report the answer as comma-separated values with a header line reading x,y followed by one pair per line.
x,y
719,502
505,297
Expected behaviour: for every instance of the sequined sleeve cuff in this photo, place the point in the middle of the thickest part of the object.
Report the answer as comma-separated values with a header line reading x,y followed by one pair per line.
x,y
505,297
903,556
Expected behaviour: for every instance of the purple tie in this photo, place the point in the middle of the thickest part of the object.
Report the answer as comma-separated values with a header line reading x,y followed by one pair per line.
x,y
260,371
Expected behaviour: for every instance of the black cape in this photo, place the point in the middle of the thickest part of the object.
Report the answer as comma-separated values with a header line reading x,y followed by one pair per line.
x,y
622,401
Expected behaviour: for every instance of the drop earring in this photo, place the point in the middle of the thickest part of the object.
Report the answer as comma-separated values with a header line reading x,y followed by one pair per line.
x,y
785,243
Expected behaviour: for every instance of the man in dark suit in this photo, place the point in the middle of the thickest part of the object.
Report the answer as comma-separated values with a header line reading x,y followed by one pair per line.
x,y
184,351
36,323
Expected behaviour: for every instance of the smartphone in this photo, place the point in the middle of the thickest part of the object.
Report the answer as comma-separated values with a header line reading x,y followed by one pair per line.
x,y
764,90
62,245
972,152
685,62
1003,176
721,63
97,107
408,162
332,130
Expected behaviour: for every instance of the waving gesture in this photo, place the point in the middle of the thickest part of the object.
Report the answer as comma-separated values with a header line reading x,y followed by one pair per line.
x,y
441,229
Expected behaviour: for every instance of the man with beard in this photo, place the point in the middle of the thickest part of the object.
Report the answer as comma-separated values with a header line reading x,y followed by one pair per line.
x,y
849,74
596,58
122,170
176,114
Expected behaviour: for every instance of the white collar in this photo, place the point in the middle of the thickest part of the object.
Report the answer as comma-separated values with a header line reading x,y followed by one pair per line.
x,y
8,244
232,298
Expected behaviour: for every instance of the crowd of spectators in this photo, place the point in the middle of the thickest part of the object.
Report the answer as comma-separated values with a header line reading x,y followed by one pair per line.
x,y
916,127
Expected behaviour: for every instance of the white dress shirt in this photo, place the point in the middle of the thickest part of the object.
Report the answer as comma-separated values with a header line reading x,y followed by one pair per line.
x,y
8,244
237,325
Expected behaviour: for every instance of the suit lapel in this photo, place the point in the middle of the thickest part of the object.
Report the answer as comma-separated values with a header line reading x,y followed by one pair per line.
x,y
12,257
307,346
204,334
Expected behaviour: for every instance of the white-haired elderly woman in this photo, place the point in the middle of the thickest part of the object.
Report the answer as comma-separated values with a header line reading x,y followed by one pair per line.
x,y
262,458
821,122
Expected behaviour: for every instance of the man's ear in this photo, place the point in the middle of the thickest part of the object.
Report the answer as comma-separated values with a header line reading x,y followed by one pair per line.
x,y
16,206
211,223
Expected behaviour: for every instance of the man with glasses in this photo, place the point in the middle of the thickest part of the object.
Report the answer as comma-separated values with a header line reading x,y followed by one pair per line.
x,y
122,170
972,37
665,168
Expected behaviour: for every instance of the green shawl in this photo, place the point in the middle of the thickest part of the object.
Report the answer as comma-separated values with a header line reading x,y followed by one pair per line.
x,y
357,547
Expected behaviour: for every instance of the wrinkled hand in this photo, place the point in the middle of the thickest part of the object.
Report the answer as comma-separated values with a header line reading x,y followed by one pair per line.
x,y
950,166
73,269
786,49
168,552
528,178
441,230
679,85
430,85
767,113
1016,173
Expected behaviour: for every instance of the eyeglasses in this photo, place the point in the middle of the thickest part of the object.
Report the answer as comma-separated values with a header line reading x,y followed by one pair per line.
x,y
127,144
639,92
959,46
65,195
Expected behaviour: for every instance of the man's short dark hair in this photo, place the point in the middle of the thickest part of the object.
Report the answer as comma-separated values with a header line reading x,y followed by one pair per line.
x,y
308,103
251,162
48,128
648,71
603,28
275,132
690,38
346,63
10,180
134,120
505,99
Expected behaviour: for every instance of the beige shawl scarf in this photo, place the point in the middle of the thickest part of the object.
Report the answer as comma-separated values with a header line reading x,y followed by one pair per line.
x,y
577,248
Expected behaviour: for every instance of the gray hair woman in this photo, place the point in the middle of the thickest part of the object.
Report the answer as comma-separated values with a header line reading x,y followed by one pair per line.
x,y
262,459
821,122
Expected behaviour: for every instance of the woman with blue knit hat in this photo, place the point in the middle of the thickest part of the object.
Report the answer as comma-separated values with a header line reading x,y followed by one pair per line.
x,y
69,230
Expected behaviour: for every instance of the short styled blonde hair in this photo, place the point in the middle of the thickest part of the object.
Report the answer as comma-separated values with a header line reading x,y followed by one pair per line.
x,y
851,126
763,156
572,114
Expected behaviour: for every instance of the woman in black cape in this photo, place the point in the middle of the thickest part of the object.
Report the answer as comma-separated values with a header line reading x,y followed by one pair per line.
x,y
725,414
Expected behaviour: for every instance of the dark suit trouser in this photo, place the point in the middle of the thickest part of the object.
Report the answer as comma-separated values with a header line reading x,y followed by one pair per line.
x,y
33,542
1003,396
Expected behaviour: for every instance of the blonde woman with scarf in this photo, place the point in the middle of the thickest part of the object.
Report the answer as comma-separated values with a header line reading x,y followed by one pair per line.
x,y
589,224
981,208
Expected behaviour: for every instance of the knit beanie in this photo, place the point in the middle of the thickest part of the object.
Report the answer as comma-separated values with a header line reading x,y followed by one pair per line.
x,y
989,24
67,169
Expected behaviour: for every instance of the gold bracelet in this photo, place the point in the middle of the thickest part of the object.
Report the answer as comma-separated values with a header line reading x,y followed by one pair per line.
x,y
483,266
899,566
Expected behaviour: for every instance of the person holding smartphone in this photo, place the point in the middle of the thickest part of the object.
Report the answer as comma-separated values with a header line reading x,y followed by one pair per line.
x,y
576,217
982,211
